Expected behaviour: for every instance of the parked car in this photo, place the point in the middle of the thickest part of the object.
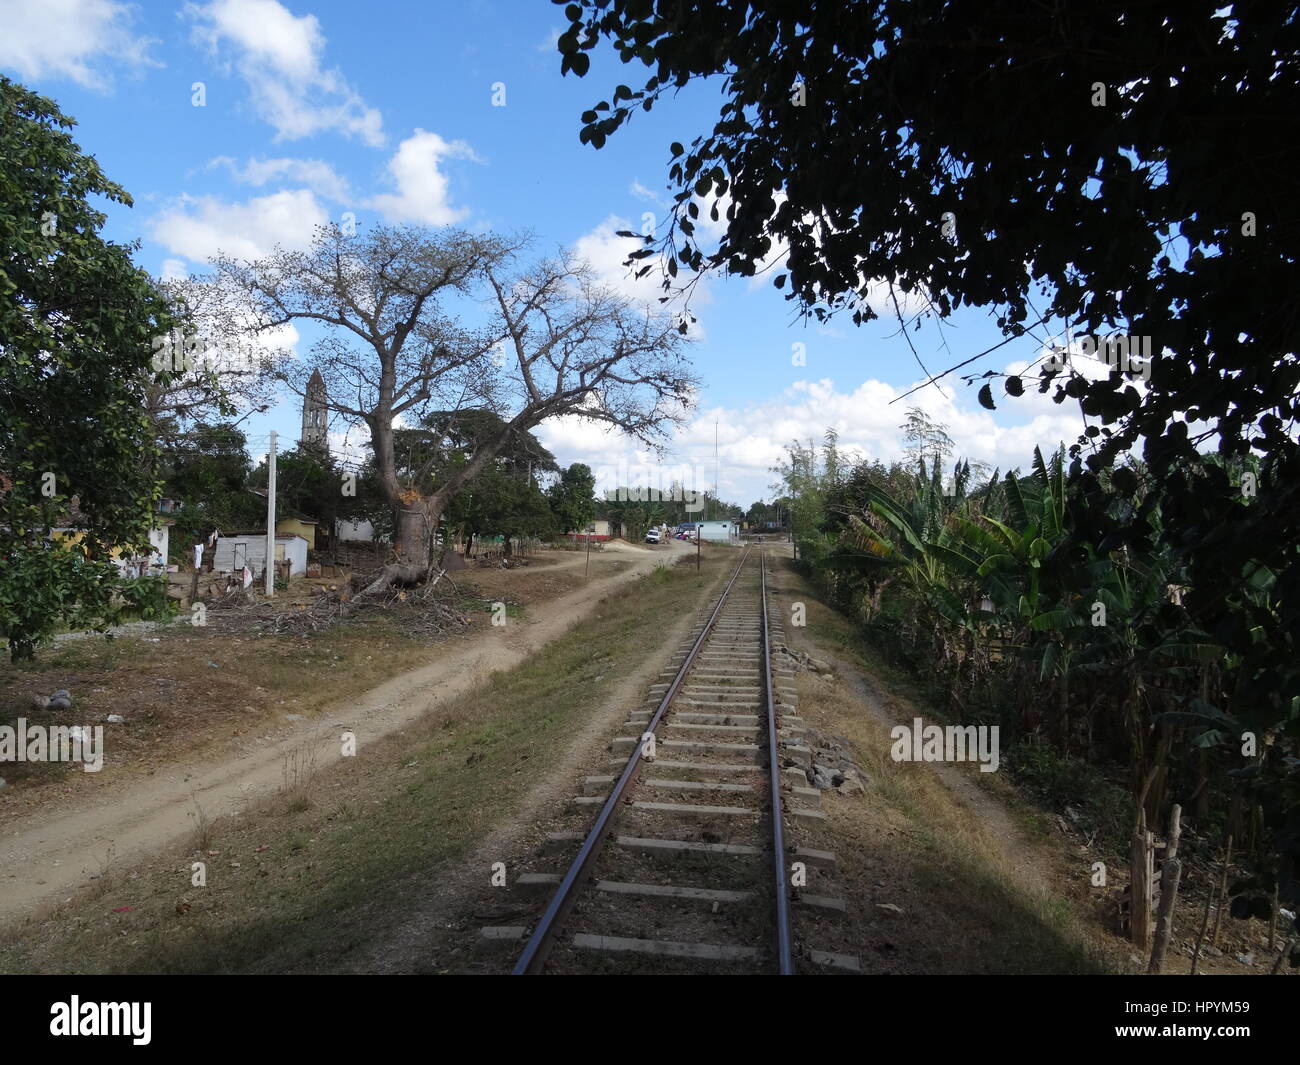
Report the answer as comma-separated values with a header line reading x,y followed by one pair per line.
x,y
652,537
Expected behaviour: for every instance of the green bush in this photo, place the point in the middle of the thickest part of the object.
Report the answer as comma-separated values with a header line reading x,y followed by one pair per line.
x,y
1060,781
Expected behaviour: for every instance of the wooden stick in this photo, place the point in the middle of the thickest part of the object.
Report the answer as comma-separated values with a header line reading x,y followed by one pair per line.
x,y
1170,874
1139,913
1200,936
1272,922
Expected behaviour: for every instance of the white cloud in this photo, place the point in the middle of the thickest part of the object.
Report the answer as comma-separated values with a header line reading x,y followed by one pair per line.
x,y
606,252
350,447
279,56
649,195
70,38
236,343
315,174
422,188
174,270
203,226
709,231
751,440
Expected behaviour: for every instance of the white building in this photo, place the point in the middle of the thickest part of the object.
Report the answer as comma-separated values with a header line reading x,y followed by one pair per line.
x,y
719,532
238,550
131,565
351,532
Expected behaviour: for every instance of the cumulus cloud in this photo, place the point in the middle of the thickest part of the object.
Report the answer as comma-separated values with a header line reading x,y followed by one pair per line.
x,y
751,440
423,193
70,38
315,174
606,252
280,57
201,227
174,270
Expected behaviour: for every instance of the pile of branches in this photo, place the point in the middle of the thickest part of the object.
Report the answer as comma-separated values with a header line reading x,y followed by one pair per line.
x,y
235,610
435,620
403,592
502,562
324,613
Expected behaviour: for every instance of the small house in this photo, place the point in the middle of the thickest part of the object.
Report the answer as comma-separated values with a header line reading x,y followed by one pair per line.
x,y
129,563
719,532
354,532
237,550
597,531
297,525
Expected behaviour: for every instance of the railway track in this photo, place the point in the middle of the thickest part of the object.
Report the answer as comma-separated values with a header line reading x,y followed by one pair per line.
x,y
689,861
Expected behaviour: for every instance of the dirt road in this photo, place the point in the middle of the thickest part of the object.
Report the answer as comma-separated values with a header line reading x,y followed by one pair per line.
x,y
44,858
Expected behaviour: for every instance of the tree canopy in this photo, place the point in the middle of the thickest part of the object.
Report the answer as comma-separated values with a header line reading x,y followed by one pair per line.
x,y
77,320
1124,167
573,498
392,301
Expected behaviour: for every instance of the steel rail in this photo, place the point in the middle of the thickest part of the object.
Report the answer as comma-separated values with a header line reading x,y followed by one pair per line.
x,y
533,959
784,954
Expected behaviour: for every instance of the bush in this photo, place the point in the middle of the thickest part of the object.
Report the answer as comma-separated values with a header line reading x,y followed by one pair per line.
x,y
1058,780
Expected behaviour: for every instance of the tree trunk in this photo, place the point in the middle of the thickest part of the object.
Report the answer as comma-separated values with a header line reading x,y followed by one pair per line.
x,y
412,539
428,510
1139,877
1063,708
395,575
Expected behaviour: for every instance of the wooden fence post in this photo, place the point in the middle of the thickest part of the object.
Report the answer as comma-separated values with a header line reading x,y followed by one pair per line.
x,y
1139,910
1171,872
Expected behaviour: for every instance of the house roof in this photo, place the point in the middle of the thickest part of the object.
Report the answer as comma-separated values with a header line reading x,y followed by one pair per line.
x,y
259,534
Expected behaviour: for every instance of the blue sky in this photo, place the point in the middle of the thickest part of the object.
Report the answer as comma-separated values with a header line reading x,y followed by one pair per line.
x,y
385,109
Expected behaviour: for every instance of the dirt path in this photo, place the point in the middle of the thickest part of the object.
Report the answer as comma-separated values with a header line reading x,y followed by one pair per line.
x,y
1020,852
43,858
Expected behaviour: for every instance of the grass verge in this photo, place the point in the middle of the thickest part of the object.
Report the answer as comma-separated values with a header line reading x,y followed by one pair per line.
x,y
974,897
299,882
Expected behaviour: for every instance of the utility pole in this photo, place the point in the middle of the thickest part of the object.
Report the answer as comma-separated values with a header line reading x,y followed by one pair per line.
x,y
715,460
270,518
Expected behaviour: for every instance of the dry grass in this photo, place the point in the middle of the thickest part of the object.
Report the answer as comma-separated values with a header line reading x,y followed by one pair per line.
x,y
306,881
193,692
187,693
974,892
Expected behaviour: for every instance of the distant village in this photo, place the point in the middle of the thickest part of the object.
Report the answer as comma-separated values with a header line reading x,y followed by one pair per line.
x,y
209,534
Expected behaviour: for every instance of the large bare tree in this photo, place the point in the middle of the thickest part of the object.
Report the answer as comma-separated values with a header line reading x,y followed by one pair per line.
x,y
545,339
